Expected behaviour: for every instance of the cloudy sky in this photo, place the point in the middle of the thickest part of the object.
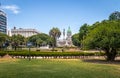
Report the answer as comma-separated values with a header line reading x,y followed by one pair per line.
x,y
45,14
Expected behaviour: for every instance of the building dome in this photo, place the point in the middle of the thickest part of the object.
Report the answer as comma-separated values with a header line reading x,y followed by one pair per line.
x,y
69,32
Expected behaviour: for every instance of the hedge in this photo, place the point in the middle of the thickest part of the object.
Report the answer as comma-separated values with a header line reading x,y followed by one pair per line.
x,y
35,53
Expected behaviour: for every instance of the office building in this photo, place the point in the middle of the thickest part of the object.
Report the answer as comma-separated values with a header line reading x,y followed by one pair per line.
x,y
3,22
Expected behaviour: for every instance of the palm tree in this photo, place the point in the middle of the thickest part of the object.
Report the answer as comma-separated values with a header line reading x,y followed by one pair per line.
x,y
54,33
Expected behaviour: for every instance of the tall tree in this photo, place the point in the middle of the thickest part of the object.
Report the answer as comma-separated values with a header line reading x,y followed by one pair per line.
x,y
115,16
106,36
54,33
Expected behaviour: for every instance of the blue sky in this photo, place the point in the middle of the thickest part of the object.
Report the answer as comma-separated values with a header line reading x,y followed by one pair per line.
x,y
46,14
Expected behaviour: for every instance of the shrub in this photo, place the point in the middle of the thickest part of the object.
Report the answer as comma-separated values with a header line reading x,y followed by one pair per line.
x,y
37,53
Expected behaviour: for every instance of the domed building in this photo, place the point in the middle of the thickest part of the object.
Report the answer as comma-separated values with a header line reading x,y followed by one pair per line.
x,y
69,39
65,41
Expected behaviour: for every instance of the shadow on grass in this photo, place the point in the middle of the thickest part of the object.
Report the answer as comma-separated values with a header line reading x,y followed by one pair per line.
x,y
101,61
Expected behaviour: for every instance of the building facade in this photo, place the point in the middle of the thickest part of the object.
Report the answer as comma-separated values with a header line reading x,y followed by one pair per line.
x,y
24,32
3,22
65,41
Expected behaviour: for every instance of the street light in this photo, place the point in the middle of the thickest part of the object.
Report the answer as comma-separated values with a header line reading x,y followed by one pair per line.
x,y
29,44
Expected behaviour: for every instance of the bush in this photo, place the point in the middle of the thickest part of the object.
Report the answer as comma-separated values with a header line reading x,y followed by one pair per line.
x,y
2,53
37,53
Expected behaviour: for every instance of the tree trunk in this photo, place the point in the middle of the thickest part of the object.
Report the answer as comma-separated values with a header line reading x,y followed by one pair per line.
x,y
15,48
53,44
111,54
55,40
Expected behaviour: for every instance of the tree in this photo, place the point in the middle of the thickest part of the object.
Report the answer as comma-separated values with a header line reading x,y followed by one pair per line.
x,y
3,39
17,40
76,40
82,33
106,36
54,33
115,16
83,30
40,39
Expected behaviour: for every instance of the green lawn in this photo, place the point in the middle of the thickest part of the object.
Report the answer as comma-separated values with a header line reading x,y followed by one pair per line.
x,y
56,68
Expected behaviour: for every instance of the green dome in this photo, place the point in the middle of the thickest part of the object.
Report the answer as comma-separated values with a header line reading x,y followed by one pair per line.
x,y
69,30
69,33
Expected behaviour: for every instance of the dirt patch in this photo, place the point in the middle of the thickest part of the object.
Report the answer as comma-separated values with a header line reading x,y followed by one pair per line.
x,y
7,58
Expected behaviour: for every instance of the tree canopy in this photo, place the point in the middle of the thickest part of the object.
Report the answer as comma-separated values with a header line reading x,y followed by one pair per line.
x,y
115,16
76,40
106,36
40,39
3,39
17,41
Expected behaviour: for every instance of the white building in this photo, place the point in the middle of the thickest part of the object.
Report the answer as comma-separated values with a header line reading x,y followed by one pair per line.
x,y
65,41
24,32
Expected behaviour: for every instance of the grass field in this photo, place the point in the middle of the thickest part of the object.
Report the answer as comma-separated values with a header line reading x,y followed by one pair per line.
x,y
56,68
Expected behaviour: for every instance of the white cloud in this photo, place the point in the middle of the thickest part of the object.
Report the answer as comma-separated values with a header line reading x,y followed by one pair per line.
x,y
14,8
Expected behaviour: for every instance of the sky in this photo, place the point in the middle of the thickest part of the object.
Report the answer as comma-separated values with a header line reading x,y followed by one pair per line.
x,y
43,15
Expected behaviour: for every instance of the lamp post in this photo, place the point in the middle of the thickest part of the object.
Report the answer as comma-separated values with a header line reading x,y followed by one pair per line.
x,y
29,44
